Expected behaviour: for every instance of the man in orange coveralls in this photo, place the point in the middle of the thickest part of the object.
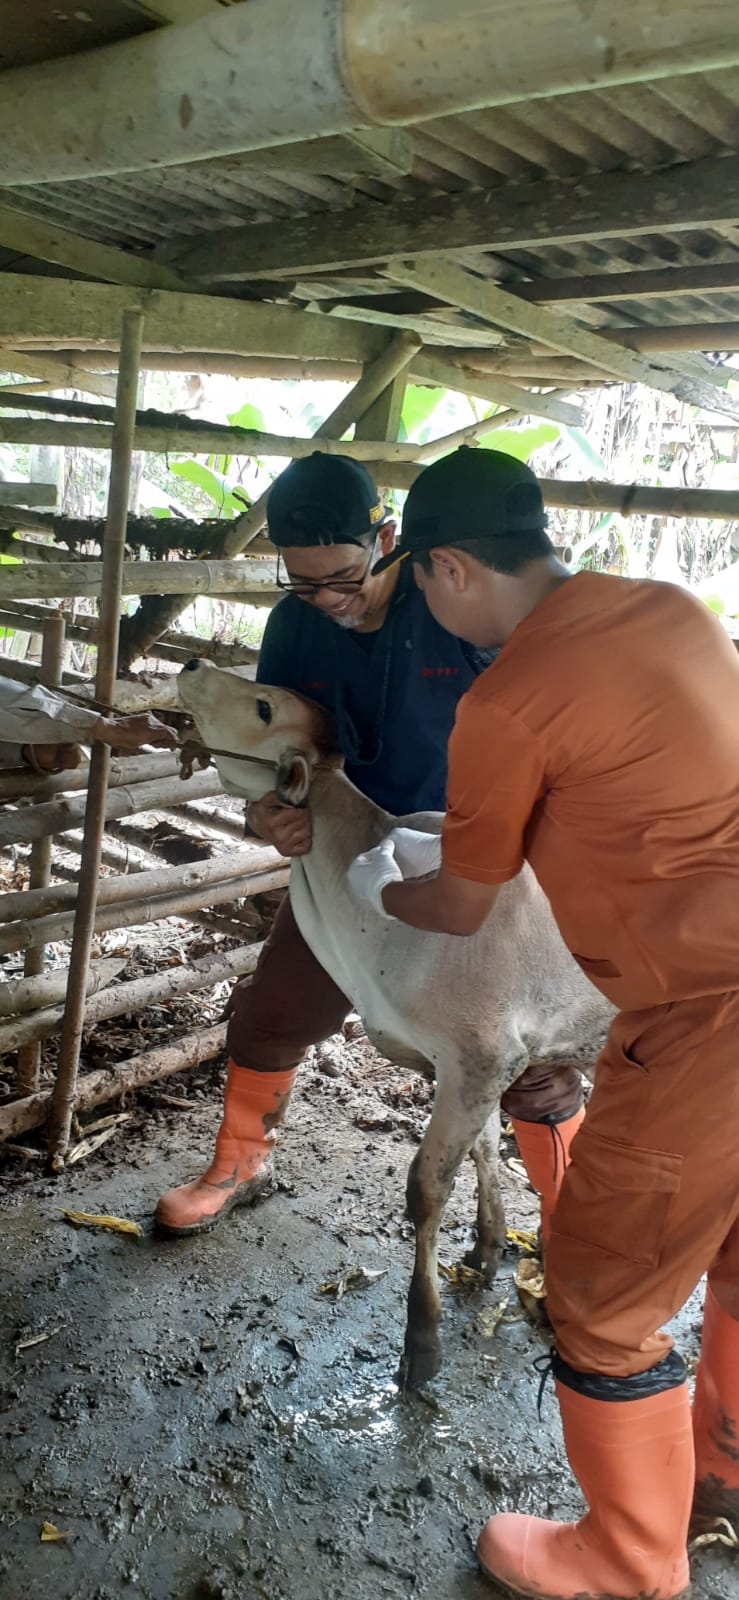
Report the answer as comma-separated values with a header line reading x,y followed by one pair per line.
x,y
603,747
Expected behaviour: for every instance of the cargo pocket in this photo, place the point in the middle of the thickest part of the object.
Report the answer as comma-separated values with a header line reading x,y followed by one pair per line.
x,y
617,1197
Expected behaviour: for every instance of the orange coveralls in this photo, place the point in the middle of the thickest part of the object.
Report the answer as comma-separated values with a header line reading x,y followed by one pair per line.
x,y
603,747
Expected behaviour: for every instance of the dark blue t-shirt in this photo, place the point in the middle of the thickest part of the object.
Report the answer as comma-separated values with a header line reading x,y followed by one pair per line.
x,y
393,692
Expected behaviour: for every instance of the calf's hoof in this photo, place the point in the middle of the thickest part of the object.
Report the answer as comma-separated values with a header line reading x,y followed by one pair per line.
x,y
484,1261
419,1364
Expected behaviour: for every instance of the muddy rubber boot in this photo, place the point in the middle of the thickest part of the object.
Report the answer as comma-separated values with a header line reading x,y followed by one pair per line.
x,y
254,1104
634,1462
716,1419
544,1148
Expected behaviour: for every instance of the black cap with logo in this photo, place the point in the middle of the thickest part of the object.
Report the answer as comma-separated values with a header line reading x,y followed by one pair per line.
x,y
323,499
472,494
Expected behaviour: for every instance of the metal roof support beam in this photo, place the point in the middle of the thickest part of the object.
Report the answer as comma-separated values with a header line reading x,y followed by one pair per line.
x,y
268,73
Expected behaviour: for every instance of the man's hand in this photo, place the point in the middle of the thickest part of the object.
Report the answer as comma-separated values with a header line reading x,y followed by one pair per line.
x,y
129,733
288,828
51,757
371,872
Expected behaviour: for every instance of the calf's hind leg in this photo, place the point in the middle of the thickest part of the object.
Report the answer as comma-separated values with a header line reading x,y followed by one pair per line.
x,y
454,1127
488,1247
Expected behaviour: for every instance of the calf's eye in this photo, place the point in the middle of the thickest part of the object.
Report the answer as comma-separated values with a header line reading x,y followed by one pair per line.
x,y
264,710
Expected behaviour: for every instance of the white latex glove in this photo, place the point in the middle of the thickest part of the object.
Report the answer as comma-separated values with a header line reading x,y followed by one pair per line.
x,y
416,853
371,872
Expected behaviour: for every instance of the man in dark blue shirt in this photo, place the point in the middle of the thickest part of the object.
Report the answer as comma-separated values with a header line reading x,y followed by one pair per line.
x,y
368,649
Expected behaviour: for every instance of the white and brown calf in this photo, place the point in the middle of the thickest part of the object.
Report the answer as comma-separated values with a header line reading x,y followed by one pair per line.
x,y
474,1012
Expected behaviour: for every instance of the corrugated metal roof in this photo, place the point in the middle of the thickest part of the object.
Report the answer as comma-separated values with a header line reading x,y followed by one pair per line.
x,y
636,127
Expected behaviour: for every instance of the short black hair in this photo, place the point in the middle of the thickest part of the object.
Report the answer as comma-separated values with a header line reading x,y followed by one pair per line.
x,y
507,553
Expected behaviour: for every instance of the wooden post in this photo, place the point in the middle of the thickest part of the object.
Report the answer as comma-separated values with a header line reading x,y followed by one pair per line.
x,y
382,419
63,1096
52,660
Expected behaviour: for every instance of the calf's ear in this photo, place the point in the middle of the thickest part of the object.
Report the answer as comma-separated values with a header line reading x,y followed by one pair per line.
x,y
293,778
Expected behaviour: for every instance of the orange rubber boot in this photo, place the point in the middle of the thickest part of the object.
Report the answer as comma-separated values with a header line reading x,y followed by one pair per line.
x,y
716,1419
633,1460
254,1104
545,1152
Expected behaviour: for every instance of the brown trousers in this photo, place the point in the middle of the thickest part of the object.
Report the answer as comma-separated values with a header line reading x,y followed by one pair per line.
x,y
651,1199
292,1003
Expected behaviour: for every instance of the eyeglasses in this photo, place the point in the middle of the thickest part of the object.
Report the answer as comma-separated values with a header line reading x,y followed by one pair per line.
x,y
308,588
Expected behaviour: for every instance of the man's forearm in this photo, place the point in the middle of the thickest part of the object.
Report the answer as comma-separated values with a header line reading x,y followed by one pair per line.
x,y
441,904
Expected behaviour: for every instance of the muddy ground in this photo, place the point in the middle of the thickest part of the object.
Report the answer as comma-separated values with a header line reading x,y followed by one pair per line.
x,y
205,1424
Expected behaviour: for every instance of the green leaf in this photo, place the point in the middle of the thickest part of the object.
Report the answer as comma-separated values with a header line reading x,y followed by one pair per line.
x,y
213,484
419,406
247,416
520,442
586,449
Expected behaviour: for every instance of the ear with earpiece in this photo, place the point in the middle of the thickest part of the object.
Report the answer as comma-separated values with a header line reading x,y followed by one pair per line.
x,y
292,784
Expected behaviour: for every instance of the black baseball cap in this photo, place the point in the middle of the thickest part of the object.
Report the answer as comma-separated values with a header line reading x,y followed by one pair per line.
x,y
324,499
472,494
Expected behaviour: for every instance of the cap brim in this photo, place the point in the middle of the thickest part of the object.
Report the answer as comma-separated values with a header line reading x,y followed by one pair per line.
x,y
385,563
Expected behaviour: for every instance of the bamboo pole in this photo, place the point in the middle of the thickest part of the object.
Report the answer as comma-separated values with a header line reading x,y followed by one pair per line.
x,y
122,443
58,816
52,658
52,661
195,438
215,363
26,550
172,646
86,578
135,912
26,904
218,821
134,996
18,784
627,499
97,1087
20,995
120,854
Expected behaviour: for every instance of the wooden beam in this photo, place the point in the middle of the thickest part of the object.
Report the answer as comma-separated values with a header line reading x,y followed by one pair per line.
x,y
50,369
255,578
88,313
344,371
204,361
645,285
45,241
430,328
36,580
711,336
625,499
202,439
435,370
28,494
475,294
512,217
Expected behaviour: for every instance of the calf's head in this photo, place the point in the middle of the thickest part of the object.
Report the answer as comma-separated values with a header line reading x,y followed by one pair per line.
x,y
289,736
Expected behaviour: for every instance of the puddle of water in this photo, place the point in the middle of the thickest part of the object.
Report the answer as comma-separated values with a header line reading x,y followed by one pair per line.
x,y
379,1413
